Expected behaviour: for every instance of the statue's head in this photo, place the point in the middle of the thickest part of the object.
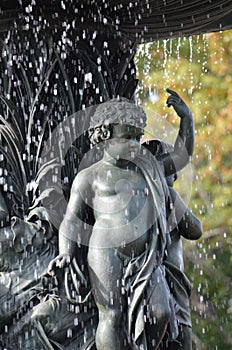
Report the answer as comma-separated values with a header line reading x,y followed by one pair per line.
x,y
118,111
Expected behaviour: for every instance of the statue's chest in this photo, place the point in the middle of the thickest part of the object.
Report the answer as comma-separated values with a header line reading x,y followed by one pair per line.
x,y
120,182
120,195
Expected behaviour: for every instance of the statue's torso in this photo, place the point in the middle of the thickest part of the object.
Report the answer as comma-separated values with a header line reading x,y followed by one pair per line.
x,y
122,209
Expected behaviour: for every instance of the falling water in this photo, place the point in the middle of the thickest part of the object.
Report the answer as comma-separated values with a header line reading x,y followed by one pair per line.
x,y
196,67
37,94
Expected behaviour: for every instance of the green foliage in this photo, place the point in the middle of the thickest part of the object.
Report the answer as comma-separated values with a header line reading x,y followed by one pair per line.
x,y
199,68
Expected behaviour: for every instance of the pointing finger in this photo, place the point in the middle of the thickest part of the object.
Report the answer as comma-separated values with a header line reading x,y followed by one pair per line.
x,y
173,93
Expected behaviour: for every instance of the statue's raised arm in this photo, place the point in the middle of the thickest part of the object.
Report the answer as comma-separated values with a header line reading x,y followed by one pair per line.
x,y
184,144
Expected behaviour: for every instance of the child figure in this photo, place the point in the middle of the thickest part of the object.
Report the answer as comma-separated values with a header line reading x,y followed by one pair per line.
x,y
118,208
188,226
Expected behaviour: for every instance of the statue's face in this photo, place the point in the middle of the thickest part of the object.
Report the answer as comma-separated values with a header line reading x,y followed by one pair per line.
x,y
125,142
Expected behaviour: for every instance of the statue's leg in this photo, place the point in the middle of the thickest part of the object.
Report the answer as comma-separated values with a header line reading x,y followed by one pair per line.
x,y
52,324
47,321
105,270
158,310
185,338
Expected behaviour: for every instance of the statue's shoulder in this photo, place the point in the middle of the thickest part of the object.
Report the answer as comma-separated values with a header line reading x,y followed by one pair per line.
x,y
84,179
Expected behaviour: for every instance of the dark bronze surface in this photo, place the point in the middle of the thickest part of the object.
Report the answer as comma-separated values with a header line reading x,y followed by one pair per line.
x,y
143,20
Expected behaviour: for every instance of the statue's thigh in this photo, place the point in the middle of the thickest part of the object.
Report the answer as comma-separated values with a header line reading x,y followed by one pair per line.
x,y
159,296
106,270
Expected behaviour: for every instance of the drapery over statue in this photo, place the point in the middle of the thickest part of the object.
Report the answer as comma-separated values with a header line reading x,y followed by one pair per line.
x,y
120,274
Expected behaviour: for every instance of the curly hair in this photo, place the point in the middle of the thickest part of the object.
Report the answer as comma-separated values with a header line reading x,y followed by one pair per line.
x,y
112,112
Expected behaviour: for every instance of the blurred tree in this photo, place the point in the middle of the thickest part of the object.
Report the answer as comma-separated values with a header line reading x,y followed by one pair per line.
x,y
199,68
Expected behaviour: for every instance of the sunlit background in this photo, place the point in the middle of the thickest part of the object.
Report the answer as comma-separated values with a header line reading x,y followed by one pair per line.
x,y
199,68
44,81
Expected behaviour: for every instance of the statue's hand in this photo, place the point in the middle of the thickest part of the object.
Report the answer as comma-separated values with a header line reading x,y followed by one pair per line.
x,y
178,104
60,261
